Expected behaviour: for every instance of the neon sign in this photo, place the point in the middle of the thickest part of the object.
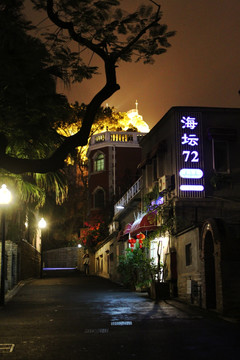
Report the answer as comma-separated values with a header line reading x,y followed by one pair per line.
x,y
191,173
191,177
191,155
191,139
192,187
189,122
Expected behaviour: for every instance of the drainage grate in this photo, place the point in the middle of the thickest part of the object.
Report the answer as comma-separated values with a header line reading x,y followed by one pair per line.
x,y
121,323
6,348
96,331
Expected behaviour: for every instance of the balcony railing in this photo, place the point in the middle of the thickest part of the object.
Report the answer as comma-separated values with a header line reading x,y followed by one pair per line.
x,y
116,137
128,196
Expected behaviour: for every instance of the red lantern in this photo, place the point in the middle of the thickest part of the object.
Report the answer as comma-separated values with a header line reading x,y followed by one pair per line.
x,y
140,236
132,242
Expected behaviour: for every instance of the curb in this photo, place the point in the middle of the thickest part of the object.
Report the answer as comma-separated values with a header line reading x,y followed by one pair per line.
x,y
11,293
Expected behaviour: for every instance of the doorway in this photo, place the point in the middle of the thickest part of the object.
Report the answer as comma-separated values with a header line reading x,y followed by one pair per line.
x,y
210,275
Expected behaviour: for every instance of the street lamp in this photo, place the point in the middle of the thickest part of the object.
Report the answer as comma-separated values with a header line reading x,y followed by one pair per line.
x,y
5,199
42,225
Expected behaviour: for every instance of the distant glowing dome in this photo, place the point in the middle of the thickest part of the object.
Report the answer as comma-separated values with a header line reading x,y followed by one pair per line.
x,y
136,120
132,114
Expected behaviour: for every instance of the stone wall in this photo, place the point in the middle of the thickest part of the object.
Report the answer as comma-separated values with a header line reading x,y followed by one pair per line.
x,y
66,257
29,261
11,276
11,251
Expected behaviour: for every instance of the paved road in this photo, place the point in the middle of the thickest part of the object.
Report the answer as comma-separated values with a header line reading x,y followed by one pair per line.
x,y
76,317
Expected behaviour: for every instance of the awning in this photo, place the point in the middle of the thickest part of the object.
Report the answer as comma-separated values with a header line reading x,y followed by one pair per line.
x,y
121,234
127,229
148,222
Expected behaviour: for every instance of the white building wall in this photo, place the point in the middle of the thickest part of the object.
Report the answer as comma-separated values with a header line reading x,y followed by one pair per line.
x,y
189,274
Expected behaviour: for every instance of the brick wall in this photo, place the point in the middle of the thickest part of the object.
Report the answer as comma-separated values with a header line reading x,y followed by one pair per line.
x,y
61,258
29,261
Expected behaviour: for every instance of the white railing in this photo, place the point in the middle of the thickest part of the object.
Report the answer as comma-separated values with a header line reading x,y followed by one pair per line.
x,y
116,137
127,197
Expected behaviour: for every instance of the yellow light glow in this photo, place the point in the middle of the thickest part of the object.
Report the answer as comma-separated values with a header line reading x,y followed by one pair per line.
x,y
129,120
132,113
42,223
134,120
5,195
137,120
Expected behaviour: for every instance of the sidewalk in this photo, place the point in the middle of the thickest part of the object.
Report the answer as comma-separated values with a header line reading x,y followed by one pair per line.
x,y
202,312
11,293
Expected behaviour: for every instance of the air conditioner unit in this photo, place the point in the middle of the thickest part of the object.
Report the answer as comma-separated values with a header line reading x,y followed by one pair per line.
x,y
164,182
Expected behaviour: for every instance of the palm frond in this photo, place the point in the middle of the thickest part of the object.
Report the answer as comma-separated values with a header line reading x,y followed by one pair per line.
x,y
54,181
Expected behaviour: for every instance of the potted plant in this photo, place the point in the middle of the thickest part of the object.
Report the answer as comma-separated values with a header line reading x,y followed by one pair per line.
x,y
136,269
158,288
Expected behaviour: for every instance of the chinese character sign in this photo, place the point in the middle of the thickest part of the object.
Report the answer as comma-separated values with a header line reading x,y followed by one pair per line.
x,y
188,122
190,162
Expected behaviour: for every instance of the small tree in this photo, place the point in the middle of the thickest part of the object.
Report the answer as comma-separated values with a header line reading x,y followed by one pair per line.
x,y
136,269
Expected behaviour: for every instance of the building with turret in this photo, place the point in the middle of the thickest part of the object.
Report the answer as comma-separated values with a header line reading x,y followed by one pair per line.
x,y
113,158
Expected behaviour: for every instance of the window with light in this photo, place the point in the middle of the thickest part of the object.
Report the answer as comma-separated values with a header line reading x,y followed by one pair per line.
x,y
99,163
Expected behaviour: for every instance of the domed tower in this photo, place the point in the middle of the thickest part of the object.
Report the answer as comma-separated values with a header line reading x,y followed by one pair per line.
x,y
113,158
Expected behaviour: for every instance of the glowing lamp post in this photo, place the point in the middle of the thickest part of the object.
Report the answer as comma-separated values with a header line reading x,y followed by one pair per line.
x,y
5,199
42,225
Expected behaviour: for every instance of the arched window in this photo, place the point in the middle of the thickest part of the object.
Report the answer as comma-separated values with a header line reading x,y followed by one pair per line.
x,y
99,198
99,163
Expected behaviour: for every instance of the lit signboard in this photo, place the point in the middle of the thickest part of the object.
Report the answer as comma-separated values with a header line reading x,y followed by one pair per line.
x,y
190,159
191,173
191,187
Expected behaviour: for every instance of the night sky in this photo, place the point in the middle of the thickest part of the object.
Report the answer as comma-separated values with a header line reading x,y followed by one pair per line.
x,y
200,69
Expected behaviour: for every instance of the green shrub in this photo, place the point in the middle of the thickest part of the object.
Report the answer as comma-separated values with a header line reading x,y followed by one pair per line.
x,y
136,269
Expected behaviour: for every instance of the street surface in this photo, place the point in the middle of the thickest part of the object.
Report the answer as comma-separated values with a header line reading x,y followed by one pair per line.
x,y
71,316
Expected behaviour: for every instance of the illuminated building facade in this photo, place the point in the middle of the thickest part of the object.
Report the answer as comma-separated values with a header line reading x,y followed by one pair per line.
x,y
191,161
113,158
189,192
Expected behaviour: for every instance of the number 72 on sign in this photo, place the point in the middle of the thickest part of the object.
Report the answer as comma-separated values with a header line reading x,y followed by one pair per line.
x,y
191,156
